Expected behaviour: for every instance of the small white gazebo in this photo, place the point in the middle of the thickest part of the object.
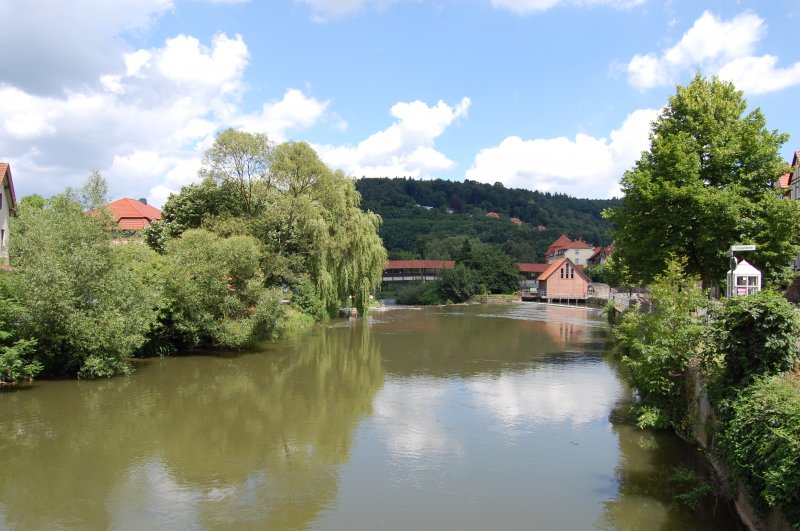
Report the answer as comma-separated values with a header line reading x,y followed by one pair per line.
x,y
743,280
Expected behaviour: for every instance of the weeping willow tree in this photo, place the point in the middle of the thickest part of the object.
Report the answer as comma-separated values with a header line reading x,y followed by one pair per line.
x,y
307,217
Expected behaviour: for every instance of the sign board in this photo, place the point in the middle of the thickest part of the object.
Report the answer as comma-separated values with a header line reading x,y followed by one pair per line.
x,y
743,248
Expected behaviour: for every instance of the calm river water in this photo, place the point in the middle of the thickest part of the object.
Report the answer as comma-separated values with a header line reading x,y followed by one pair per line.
x,y
470,417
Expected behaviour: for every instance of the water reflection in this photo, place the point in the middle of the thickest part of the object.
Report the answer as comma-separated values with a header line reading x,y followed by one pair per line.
x,y
200,441
473,417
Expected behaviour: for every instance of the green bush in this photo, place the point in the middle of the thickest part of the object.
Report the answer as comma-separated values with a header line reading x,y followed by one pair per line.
x,y
658,346
756,335
761,441
89,303
17,361
458,284
215,291
423,293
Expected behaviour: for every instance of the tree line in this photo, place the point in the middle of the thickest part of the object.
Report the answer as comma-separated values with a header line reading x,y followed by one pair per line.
x,y
419,215
266,223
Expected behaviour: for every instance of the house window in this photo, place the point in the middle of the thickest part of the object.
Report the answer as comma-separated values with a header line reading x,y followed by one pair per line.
x,y
1,199
2,236
562,272
572,273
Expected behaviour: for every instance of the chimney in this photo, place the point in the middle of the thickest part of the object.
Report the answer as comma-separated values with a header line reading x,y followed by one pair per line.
x,y
143,200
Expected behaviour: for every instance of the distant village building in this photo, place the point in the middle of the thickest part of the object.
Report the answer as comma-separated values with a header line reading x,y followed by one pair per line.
x,y
600,255
493,215
516,221
131,214
530,273
8,206
563,281
794,177
401,271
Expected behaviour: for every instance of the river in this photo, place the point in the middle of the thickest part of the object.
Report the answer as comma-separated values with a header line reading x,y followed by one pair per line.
x,y
466,417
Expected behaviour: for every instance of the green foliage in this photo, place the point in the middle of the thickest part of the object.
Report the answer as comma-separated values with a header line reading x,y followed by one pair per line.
x,y
305,216
760,439
16,354
706,183
496,271
305,297
458,284
658,346
406,223
215,291
690,489
422,293
757,335
89,303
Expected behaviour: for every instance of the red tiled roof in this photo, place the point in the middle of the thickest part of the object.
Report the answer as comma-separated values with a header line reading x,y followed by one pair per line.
x,y
6,180
492,215
555,266
783,180
420,264
131,214
516,220
562,242
579,244
597,251
532,268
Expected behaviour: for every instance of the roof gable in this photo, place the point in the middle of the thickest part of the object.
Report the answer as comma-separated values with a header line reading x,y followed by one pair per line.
x,y
555,266
7,182
131,208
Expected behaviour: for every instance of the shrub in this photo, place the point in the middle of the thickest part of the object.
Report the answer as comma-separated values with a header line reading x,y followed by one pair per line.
x,y
423,293
761,441
458,284
658,346
756,335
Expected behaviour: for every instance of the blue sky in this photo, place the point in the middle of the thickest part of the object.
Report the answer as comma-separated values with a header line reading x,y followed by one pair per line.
x,y
554,95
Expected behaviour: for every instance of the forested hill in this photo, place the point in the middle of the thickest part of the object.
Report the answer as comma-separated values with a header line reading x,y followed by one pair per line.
x,y
416,220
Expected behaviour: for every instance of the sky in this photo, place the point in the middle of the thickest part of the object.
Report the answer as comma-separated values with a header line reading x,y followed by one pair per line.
x,y
548,95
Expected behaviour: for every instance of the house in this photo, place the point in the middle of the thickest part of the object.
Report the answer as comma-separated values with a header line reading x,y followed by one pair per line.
x,y
397,271
562,242
600,255
578,251
794,177
132,214
530,273
8,207
515,221
563,280
493,215
784,184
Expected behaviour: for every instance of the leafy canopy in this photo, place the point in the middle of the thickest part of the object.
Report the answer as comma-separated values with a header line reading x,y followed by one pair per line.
x,y
706,183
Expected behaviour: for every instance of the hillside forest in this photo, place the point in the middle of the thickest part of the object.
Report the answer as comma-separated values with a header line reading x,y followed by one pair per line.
x,y
430,219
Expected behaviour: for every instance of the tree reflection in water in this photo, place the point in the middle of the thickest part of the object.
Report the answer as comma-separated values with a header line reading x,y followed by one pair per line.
x,y
199,441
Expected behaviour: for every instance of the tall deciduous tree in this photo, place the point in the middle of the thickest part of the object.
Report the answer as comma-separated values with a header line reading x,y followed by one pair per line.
x,y
242,160
706,183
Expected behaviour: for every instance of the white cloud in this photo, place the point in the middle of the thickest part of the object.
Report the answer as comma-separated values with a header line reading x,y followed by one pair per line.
x,y
756,75
67,43
522,7
716,46
145,125
583,167
405,147
295,110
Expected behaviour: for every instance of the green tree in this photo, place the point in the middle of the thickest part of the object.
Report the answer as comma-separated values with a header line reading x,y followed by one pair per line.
x,y
215,291
241,160
458,284
89,303
496,271
17,362
658,346
705,183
